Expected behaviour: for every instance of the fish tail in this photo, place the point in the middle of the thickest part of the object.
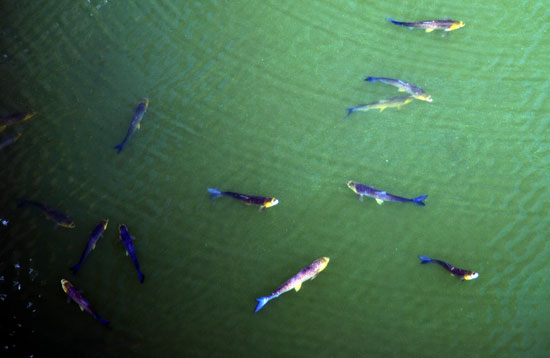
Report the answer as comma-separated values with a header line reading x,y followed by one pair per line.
x,y
22,203
75,268
420,200
141,277
214,193
350,111
262,301
103,321
395,21
120,146
371,79
425,259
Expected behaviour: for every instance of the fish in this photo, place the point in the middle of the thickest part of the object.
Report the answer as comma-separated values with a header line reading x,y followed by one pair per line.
x,y
9,140
381,105
455,271
92,241
15,118
4,222
76,295
295,282
381,196
403,86
430,25
52,214
263,202
130,250
135,124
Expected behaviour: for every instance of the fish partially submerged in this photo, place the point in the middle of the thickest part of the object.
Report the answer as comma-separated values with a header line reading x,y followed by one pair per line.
x,y
381,105
430,25
52,214
15,118
90,245
9,140
135,124
381,196
403,86
455,271
263,202
308,273
130,250
74,294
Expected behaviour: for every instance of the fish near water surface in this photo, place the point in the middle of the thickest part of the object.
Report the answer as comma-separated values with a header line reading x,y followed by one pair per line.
x,y
90,245
295,282
455,271
380,196
430,25
135,124
130,250
381,105
416,92
74,294
52,214
263,202
15,119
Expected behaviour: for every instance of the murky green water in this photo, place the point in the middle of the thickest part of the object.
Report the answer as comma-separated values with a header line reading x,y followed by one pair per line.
x,y
250,97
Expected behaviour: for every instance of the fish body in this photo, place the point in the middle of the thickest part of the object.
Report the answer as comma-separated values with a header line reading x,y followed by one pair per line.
x,y
74,294
455,271
430,25
9,140
135,124
263,202
4,222
14,119
403,86
130,250
52,214
90,245
380,196
381,105
308,273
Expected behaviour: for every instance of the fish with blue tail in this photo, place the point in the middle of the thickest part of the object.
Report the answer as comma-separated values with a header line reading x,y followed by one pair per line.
x,y
295,282
455,271
130,250
76,295
393,102
15,118
97,232
381,196
430,25
9,140
59,218
402,86
135,124
261,201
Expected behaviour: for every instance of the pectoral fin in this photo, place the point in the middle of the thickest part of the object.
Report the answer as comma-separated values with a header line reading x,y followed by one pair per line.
x,y
139,126
93,247
297,288
401,90
82,309
361,197
380,201
429,30
382,108
317,274
126,253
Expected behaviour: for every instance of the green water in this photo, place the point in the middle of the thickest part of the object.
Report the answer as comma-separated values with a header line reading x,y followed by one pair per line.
x,y
250,97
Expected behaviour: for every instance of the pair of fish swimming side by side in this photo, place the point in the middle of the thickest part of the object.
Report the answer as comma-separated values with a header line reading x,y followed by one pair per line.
x,y
11,120
399,101
311,271
124,236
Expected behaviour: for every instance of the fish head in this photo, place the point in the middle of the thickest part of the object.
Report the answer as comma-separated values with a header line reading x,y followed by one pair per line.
x,y
271,202
29,115
457,25
68,224
65,284
121,227
351,185
105,222
471,276
424,97
146,101
323,262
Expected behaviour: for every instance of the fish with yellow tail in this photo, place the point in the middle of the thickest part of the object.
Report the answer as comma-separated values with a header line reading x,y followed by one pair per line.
x,y
308,273
416,92
381,105
74,294
262,201
455,271
430,25
135,124
15,119
380,196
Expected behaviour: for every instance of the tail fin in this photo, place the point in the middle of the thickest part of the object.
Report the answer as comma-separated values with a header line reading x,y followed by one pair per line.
x,y
119,147
371,79
103,321
22,203
75,268
394,21
262,301
350,111
420,200
214,193
141,277
425,259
